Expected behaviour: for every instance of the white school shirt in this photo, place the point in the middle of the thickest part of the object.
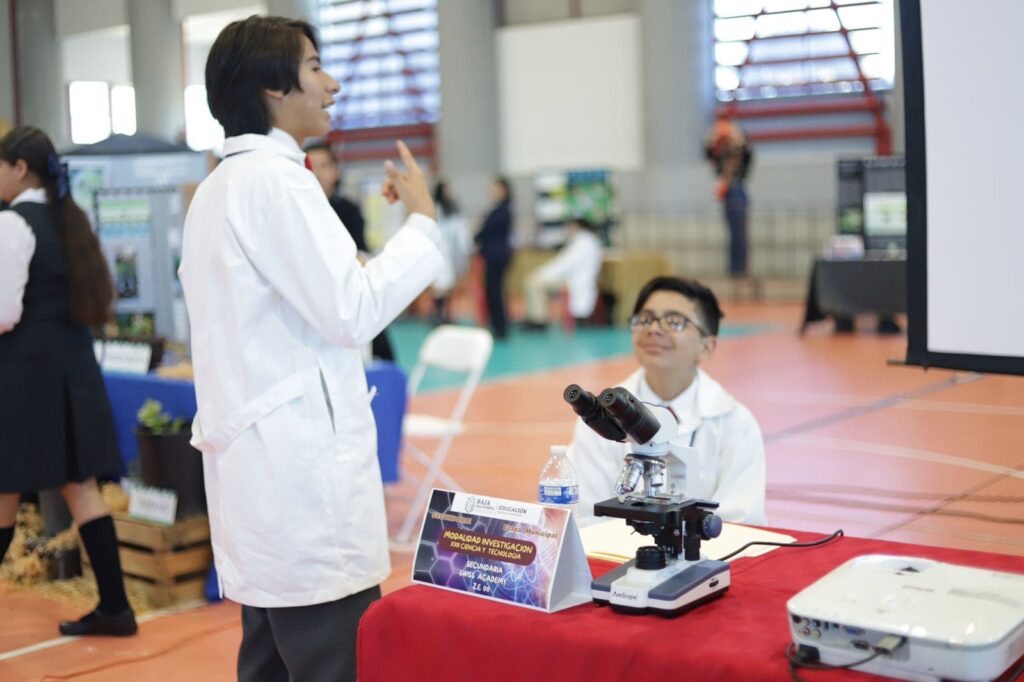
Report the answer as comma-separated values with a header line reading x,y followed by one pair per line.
x,y
17,246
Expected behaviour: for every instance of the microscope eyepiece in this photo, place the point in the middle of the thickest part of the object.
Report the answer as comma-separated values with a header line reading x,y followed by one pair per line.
x,y
630,413
589,409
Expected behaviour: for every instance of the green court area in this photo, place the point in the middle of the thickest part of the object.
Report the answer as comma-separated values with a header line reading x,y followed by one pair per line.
x,y
525,352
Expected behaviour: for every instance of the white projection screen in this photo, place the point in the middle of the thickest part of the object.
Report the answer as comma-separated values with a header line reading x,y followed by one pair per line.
x,y
965,182
570,95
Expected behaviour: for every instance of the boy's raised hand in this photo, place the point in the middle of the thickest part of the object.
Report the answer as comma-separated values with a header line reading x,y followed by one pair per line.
x,y
408,186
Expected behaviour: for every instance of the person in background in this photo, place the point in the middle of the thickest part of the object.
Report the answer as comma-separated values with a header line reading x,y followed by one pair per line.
x,y
455,232
719,452
56,425
730,154
279,307
576,268
494,242
324,167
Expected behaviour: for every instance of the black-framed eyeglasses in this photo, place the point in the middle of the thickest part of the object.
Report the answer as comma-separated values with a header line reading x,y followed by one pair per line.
x,y
669,322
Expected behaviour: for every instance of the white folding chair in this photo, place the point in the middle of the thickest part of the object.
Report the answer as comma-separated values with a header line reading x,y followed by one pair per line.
x,y
454,349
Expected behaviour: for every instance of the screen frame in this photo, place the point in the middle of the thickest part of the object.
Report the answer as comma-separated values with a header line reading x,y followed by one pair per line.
x,y
918,352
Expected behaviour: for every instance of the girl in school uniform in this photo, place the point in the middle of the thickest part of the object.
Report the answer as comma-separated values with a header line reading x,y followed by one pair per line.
x,y
56,426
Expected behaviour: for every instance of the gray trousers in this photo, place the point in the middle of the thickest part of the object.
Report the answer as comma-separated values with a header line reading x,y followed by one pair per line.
x,y
303,643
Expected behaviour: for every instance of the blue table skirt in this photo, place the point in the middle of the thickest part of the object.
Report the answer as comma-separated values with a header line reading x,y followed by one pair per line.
x,y
128,391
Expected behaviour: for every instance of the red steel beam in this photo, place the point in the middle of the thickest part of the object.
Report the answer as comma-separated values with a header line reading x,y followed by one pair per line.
x,y
880,130
388,133
813,133
775,13
424,151
388,14
804,34
796,60
810,109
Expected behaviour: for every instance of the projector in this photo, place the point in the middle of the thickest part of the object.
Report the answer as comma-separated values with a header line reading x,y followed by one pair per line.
x,y
959,623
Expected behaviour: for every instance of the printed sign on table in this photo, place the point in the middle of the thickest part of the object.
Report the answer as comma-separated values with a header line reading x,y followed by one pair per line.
x,y
516,552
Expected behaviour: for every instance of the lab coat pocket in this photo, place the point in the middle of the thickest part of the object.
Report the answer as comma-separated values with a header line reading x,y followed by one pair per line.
x,y
357,438
353,430
321,409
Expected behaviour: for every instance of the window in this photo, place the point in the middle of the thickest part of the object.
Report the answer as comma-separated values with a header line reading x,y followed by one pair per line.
x,y
122,109
784,48
97,110
202,131
384,55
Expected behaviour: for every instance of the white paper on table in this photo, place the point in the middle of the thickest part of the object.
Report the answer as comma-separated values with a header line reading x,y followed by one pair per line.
x,y
613,540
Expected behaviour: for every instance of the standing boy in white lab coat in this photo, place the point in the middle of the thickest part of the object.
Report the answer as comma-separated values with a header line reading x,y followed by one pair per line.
x,y
719,452
279,306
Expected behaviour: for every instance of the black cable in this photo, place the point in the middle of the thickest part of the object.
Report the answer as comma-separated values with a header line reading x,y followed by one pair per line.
x,y
835,535
795,663
793,674
1016,673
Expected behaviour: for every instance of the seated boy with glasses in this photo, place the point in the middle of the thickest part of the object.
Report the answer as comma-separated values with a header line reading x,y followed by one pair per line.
x,y
719,452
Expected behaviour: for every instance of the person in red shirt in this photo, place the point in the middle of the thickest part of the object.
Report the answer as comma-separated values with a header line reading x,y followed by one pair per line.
x,y
728,150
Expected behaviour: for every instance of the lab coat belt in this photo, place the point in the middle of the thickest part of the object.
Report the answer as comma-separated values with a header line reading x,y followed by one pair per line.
x,y
280,393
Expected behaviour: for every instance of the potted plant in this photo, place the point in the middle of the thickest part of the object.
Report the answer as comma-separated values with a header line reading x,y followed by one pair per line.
x,y
168,460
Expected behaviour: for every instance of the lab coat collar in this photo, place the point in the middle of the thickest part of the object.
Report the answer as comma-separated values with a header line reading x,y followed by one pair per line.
x,y
276,141
683,405
36,195
712,400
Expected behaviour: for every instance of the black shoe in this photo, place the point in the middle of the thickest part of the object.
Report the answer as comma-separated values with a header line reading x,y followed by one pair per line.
x,y
529,326
887,325
844,325
98,623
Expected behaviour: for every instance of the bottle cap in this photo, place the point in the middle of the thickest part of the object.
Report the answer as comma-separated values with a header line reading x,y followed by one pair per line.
x,y
559,449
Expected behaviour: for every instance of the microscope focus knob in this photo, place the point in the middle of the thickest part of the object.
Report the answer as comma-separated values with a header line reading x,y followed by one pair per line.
x,y
711,526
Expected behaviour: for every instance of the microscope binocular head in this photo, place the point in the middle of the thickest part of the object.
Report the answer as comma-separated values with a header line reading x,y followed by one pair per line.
x,y
617,415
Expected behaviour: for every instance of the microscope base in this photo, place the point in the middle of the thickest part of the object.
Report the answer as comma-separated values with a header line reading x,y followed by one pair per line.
x,y
670,591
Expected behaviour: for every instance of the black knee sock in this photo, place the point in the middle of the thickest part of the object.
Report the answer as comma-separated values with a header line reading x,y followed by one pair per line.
x,y
6,535
100,542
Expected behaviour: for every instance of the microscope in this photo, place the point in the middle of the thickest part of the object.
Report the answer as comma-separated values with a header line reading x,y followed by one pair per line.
x,y
658,580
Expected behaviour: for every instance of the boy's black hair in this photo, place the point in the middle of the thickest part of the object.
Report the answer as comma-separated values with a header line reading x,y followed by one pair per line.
x,y
707,304
248,57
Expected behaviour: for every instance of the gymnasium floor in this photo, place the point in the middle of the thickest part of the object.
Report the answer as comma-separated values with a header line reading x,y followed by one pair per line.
x,y
932,457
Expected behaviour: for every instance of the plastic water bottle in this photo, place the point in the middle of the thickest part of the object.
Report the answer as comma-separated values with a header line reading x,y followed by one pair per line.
x,y
558,482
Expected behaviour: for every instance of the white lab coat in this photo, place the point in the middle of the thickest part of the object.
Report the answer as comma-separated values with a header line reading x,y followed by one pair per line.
x,y
726,463
577,264
279,307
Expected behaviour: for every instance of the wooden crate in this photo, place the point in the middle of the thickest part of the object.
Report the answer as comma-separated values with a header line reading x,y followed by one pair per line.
x,y
168,563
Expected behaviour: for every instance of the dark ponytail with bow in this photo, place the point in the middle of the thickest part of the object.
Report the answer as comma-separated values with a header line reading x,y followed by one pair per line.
x,y
90,286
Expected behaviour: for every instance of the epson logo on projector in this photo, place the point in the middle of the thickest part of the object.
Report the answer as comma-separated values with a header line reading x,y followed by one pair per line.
x,y
624,595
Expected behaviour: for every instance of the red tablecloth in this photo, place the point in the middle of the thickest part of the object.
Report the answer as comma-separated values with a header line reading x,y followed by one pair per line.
x,y
423,633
